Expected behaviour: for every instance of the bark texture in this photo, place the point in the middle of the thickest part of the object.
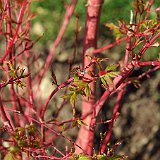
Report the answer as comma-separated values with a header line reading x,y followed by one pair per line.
x,y
85,138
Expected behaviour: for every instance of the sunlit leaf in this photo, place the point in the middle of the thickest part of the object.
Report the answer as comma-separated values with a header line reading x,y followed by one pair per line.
x,y
112,67
139,41
84,157
81,92
11,66
108,80
62,128
101,135
113,74
88,91
72,101
89,57
74,123
66,96
12,74
71,89
80,122
102,157
155,44
79,83
14,149
104,82
115,29
111,26
73,98
102,59
76,77
11,156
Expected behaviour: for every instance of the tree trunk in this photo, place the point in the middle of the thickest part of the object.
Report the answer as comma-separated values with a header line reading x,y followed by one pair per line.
x,y
84,139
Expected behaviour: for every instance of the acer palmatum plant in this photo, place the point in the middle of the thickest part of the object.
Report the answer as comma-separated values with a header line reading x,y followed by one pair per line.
x,y
27,133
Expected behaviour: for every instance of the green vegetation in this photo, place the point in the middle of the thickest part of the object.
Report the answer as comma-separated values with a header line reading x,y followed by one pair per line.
x,y
48,16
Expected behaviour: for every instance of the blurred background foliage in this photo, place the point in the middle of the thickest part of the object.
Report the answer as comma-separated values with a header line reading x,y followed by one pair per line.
x,y
49,17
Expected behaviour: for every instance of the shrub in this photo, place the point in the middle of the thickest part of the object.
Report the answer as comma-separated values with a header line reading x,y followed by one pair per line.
x,y
28,134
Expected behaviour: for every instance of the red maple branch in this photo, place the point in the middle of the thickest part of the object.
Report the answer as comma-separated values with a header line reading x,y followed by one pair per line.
x,y
110,45
90,43
114,116
64,25
64,84
15,36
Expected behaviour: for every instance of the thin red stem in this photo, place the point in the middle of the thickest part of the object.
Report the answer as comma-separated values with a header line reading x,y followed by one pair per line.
x,y
64,25
64,84
148,63
110,45
15,36
114,114
4,117
148,44
128,47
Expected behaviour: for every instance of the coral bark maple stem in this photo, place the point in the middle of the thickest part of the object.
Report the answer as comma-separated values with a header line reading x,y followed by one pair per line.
x,y
90,43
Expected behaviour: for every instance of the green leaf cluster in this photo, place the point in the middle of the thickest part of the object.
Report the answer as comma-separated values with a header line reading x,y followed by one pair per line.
x,y
78,122
12,156
23,137
26,137
78,87
109,74
16,74
116,30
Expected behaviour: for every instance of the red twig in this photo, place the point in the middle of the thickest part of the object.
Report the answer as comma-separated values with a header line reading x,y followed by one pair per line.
x,y
114,116
148,63
14,104
64,84
148,72
148,44
110,45
4,117
15,36
148,9
29,80
66,20
128,46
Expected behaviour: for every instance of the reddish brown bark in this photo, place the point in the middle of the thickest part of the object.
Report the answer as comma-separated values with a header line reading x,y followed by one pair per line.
x,y
85,138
